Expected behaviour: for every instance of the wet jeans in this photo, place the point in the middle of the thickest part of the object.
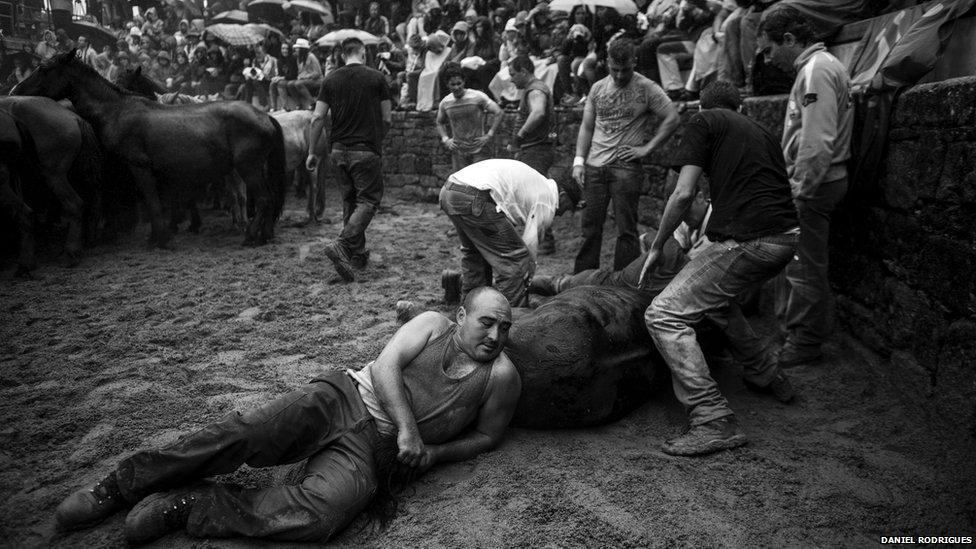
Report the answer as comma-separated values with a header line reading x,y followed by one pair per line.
x,y
803,298
706,288
621,183
360,177
489,243
324,422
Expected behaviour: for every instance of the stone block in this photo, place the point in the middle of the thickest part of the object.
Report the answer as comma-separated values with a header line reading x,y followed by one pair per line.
x,y
944,104
407,164
914,168
958,181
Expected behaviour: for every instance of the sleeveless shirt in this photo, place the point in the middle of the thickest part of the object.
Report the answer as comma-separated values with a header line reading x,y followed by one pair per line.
x,y
442,405
541,133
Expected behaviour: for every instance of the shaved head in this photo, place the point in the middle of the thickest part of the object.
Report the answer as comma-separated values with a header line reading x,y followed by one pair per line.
x,y
473,298
484,319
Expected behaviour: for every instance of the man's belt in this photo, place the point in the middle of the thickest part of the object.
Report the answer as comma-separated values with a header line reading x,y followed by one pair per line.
x,y
466,189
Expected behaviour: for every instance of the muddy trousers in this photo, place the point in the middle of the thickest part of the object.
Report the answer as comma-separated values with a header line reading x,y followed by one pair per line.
x,y
324,422
706,288
489,243
359,174
620,183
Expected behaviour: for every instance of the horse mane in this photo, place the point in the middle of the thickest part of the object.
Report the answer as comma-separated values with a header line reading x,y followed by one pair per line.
x,y
69,58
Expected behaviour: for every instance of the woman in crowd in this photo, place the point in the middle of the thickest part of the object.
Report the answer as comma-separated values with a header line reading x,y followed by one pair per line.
x,y
181,73
287,71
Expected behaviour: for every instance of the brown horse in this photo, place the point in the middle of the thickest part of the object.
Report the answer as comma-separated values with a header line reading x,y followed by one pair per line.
x,y
164,145
47,145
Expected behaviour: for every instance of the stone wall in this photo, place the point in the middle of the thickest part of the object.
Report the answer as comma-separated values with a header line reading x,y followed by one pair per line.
x,y
903,250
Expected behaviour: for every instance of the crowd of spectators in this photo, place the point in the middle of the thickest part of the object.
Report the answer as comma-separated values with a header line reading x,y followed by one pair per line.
x,y
681,44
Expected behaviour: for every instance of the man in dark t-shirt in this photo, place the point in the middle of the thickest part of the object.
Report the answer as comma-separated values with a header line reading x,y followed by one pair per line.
x,y
752,235
359,101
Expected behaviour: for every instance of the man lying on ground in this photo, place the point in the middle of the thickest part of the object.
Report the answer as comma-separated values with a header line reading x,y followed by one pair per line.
x,y
752,234
433,380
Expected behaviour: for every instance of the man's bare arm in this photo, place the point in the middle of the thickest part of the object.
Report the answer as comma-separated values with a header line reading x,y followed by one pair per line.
x,y
387,374
537,113
583,141
504,389
318,124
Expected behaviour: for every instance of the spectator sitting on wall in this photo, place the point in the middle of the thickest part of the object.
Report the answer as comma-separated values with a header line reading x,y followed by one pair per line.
x,y
462,46
105,61
577,44
85,52
48,46
376,24
20,73
161,70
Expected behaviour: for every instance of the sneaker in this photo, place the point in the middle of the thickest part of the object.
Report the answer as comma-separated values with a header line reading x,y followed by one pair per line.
x,y
780,387
451,282
86,508
340,261
159,514
791,357
719,434
405,311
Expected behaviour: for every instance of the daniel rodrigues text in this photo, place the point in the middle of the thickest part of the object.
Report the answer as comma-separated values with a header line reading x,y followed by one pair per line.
x,y
926,539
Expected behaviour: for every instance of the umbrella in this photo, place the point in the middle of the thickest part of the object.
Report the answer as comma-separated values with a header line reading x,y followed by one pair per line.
x,y
311,6
623,7
98,35
264,29
236,35
336,37
268,10
232,16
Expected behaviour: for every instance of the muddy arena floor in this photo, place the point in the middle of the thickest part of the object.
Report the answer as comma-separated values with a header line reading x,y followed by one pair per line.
x,y
135,347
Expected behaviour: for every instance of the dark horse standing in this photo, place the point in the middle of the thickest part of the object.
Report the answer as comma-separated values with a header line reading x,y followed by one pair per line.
x,y
44,145
171,145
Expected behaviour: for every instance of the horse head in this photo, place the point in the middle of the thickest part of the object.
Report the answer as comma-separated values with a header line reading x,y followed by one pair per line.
x,y
52,79
140,84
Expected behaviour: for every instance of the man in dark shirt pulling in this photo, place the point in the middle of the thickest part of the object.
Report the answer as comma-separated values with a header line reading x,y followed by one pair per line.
x,y
752,235
358,99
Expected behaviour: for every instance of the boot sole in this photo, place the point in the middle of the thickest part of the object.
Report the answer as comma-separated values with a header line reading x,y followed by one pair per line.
x,y
341,267
711,446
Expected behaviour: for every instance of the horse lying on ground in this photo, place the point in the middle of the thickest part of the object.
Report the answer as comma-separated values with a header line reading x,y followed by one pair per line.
x,y
45,145
295,126
172,145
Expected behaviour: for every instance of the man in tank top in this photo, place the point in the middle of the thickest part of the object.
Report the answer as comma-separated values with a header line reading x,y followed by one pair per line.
x,y
434,379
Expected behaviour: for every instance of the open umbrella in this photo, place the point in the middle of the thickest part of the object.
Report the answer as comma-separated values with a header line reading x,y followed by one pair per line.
x,y
232,16
264,29
98,36
323,11
336,37
235,35
623,7
266,10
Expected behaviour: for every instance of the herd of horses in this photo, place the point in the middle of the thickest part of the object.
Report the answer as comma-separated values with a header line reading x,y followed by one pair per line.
x,y
118,144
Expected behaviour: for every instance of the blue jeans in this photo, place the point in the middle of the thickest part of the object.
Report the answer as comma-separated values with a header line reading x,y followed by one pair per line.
x,y
489,242
803,298
360,177
706,288
621,183
324,423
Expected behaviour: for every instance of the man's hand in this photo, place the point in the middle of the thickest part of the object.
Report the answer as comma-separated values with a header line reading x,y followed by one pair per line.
x,y
480,142
429,458
450,144
579,175
653,256
634,154
311,162
411,448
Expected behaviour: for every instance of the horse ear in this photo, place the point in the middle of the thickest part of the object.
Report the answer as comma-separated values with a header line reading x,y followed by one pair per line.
x,y
70,55
138,70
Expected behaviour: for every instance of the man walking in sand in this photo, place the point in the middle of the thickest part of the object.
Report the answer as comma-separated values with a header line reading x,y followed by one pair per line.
x,y
358,99
439,391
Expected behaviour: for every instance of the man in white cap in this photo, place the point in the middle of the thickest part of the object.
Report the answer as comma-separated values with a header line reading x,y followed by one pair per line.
x,y
309,76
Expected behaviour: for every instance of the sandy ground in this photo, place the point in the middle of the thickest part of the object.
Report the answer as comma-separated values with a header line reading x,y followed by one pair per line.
x,y
136,347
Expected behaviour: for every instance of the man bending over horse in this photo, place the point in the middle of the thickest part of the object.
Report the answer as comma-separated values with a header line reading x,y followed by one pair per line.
x,y
433,380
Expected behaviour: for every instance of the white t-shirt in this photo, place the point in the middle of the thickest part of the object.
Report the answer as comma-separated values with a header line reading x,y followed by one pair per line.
x,y
521,193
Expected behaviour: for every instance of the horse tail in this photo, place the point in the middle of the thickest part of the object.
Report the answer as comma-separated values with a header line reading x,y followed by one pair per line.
x,y
86,177
276,169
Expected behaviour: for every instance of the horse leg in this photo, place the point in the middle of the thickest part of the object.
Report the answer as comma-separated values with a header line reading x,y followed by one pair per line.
x,y
303,179
238,199
72,206
160,235
26,261
261,201
175,215
320,177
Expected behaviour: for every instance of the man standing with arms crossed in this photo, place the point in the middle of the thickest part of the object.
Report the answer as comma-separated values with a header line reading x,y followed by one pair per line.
x,y
465,111
609,151
816,145
358,98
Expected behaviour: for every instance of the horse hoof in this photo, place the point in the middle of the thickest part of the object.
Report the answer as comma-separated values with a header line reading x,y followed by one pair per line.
x,y
23,272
